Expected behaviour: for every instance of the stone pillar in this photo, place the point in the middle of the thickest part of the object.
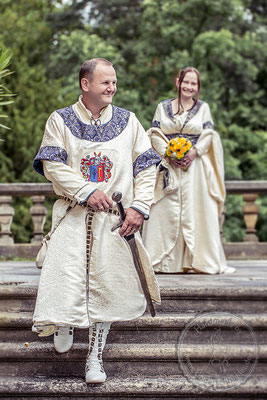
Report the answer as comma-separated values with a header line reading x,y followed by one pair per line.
x,y
250,212
6,218
221,222
38,212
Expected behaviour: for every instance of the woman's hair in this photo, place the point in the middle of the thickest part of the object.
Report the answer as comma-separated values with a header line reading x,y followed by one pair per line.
x,y
181,78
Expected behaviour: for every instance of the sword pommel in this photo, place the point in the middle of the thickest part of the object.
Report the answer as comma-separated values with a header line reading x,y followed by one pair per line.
x,y
116,197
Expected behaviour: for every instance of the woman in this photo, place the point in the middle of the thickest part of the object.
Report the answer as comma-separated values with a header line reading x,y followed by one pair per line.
x,y
182,233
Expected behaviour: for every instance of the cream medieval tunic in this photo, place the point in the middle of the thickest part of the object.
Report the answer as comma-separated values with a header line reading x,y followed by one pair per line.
x,y
183,229
88,273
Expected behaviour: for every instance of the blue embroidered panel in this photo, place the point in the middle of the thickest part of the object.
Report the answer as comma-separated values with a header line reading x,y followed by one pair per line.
x,y
208,125
193,138
51,153
99,133
145,160
155,124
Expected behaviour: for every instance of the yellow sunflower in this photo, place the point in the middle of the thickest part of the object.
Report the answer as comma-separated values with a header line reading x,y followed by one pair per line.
x,y
168,152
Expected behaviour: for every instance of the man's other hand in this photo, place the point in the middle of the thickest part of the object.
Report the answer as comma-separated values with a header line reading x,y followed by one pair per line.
x,y
132,222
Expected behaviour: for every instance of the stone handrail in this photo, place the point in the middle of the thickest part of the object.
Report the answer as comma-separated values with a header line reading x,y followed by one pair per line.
x,y
38,192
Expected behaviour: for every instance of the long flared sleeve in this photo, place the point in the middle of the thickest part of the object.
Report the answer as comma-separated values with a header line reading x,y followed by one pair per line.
x,y
205,139
209,148
156,135
214,168
159,142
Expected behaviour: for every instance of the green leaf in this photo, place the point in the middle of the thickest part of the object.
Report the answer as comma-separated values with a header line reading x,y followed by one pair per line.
x,y
5,103
4,126
7,94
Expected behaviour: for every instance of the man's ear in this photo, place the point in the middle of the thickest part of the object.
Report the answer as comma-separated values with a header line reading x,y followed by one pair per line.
x,y
85,84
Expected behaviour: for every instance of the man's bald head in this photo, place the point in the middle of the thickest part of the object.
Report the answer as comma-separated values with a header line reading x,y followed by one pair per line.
x,y
88,67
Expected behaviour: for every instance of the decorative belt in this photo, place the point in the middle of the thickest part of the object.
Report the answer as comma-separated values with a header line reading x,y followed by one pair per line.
x,y
74,202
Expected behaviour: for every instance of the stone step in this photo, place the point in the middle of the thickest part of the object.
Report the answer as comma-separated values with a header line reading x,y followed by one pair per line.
x,y
132,359
211,297
165,327
138,388
178,354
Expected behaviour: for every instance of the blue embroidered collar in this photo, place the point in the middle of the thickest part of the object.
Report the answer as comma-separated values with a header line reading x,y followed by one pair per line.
x,y
167,105
99,133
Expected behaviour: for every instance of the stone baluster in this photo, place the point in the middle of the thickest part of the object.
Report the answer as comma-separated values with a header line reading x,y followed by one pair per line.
x,y
221,222
38,212
250,212
6,218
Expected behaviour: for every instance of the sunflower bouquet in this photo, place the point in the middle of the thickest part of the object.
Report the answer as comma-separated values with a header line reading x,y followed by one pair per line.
x,y
177,148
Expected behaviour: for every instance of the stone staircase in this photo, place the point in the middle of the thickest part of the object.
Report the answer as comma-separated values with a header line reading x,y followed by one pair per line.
x,y
207,341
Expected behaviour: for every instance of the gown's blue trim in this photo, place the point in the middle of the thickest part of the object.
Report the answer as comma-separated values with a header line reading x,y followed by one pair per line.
x,y
208,125
50,153
145,160
99,133
155,124
167,105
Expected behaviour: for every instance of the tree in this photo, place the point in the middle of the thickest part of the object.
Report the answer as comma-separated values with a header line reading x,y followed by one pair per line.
x,y
24,30
149,41
225,40
5,57
70,51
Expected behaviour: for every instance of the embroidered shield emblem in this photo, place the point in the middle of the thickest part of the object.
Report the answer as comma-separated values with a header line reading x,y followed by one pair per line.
x,y
96,168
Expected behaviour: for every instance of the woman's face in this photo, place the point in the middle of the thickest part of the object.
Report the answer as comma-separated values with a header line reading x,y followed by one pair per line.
x,y
189,85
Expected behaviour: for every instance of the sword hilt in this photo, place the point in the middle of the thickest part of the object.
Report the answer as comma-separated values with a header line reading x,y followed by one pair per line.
x,y
117,198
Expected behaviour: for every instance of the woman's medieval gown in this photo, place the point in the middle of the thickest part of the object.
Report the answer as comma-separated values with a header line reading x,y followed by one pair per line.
x,y
183,230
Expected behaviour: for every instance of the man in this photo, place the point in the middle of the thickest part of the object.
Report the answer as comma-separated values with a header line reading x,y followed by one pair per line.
x,y
90,150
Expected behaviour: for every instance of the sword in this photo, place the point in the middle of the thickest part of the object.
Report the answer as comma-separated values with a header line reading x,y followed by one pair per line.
x,y
136,257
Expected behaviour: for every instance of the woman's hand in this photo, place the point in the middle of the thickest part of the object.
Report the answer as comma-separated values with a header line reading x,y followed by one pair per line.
x,y
190,156
177,163
186,161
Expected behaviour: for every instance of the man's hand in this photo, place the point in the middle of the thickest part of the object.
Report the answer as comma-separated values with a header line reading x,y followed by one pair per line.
x,y
99,201
132,222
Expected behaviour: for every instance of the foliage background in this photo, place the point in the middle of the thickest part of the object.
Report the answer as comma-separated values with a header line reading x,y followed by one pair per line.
x,y
149,41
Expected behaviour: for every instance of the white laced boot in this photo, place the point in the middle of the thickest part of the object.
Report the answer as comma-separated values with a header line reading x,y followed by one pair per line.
x,y
94,371
63,338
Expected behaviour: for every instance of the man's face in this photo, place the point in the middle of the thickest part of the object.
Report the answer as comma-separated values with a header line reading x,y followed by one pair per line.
x,y
102,88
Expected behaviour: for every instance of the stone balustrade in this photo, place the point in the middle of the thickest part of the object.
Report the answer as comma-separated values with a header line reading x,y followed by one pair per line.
x,y
250,248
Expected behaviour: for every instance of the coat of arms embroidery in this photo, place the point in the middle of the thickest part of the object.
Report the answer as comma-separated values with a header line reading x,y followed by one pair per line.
x,y
96,168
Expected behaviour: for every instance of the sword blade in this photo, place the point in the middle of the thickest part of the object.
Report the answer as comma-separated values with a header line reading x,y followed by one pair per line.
x,y
140,271
130,239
